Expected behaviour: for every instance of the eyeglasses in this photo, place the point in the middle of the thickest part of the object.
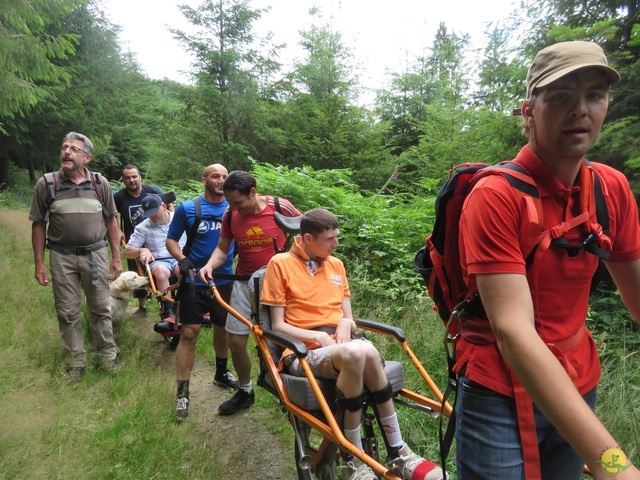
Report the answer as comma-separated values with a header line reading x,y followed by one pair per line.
x,y
72,148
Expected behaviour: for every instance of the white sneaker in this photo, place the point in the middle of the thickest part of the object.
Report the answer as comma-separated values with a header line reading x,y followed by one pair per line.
x,y
413,467
355,469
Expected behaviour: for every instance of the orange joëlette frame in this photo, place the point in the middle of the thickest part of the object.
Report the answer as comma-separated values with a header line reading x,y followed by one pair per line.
x,y
330,429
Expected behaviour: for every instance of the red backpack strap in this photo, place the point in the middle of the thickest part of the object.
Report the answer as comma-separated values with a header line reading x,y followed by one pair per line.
x,y
528,431
598,224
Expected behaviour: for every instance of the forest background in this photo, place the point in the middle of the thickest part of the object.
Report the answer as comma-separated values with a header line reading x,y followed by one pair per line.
x,y
304,133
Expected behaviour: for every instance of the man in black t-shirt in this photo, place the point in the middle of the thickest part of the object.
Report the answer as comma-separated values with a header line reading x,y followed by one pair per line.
x,y
129,204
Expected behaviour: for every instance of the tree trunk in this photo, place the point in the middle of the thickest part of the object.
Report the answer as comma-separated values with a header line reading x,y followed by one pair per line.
x,y
5,172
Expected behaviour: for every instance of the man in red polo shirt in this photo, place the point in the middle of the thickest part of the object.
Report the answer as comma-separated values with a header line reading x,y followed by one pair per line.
x,y
250,224
537,348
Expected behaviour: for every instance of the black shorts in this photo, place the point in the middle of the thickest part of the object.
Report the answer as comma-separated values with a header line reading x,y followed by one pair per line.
x,y
192,311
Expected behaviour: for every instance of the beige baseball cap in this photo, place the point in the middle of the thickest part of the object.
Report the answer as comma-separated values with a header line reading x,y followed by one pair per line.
x,y
558,60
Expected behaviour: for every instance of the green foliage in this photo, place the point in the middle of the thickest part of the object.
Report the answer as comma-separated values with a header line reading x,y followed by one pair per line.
x,y
613,327
223,111
617,336
379,234
33,50
324,128
502,74
20,193
451,137
28,53
439,80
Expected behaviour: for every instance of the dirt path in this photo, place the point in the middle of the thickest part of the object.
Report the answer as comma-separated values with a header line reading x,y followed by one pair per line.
x,y
245,442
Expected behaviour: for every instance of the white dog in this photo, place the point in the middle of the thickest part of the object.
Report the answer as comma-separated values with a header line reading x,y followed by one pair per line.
x,y
121,289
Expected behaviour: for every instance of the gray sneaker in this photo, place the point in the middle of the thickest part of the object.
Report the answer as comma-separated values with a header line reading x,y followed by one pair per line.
x,y
226,380
355,469
111,366
74,374
181,410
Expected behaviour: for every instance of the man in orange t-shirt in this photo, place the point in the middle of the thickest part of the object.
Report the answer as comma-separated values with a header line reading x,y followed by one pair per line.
x,y
306,289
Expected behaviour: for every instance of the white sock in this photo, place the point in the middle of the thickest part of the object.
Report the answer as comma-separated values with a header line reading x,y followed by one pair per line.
x,y
392,432
247,387
354,437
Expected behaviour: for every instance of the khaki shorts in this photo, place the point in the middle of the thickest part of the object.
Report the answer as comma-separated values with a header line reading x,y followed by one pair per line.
x,y
319,360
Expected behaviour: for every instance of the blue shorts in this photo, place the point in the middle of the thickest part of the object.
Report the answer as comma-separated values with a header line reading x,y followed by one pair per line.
x,y
170,263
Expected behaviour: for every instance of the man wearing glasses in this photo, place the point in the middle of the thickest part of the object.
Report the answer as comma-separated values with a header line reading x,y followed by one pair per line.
x,y
79,208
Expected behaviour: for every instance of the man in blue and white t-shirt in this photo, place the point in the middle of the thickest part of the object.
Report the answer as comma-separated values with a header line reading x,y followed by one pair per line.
x,y
213,205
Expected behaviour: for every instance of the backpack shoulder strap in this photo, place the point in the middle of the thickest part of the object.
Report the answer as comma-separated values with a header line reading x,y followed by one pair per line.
x,y
148,188
229,215
602,211
51,179
518,178
276,201
191,234
96,181
525,188
96,184
118,198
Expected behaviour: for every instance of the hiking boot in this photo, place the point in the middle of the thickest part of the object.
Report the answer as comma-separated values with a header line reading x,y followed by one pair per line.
x,y
411,466
226,380
181,410
74,374
239,401
355,469
140,312
111,366
164,326
206,321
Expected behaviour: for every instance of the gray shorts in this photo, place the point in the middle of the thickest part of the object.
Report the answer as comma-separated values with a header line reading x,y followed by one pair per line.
x,y
240,303
319,360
